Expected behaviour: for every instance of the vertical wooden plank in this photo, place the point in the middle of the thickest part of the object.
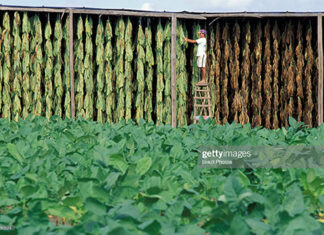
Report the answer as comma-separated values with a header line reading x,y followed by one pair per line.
x,y
173,70
320,69
72,63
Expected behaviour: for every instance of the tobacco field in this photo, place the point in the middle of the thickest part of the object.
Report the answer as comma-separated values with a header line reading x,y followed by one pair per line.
x,y
81,177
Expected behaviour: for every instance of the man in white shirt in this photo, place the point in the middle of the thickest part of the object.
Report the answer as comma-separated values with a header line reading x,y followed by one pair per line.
x,y
201,53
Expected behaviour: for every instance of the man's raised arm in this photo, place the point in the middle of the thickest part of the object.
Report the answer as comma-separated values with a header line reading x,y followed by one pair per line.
x,y
190,40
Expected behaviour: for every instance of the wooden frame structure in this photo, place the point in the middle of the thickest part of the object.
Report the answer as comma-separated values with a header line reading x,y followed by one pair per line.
x,y
320,69
184,15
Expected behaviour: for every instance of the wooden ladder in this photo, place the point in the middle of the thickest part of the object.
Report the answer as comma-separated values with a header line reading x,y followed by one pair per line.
x,y
202,101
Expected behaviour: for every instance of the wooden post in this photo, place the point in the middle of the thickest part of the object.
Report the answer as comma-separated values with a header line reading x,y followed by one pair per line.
x,y
320,69
173,70
72,63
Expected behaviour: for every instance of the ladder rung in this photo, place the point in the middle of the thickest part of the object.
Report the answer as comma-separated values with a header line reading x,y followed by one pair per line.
x,y
201,98
201,90
201,84
202,105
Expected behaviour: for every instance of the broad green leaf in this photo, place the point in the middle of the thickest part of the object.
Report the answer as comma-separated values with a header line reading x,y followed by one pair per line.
x,y
272,205
234,193
120,231
15,211
143,165
254,197
95,206
32,177
5,220
48,203
191,229
167,228
32,229
61,211
86,188
292,122
111,180
27,191
238,226
152,184
100,193
259,227
128,211
233,189
150,226
185,175
321,200
8,202
12,149
118,162
294,201
73,201
160,205
302,222
175,210
243,178
176,151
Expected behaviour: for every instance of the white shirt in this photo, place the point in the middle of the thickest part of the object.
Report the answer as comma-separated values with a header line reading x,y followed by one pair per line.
x,y
201,46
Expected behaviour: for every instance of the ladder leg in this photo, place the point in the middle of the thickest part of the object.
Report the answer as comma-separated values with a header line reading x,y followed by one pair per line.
x,y
203,109
209,103
209,108
206,101
195,107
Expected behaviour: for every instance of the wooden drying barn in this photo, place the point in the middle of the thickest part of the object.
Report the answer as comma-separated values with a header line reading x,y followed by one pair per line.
x,y
262,67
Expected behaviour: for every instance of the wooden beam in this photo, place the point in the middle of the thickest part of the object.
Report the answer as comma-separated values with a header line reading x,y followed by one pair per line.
x,y
138,13
320,69
173,71
120,12
183,15
190,16
71,63
260,15
33,9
